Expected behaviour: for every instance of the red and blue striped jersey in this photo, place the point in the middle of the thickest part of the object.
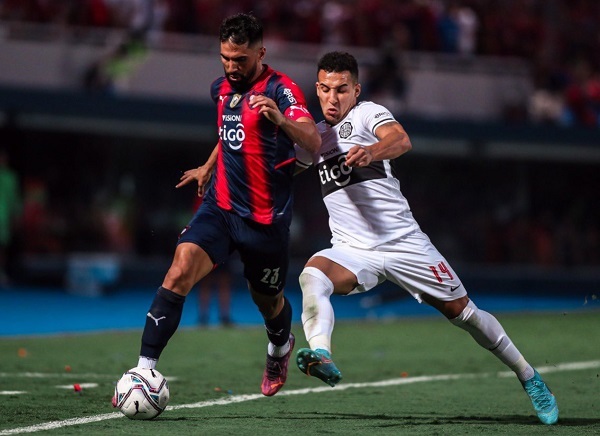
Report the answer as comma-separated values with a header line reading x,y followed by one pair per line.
x,y
255,164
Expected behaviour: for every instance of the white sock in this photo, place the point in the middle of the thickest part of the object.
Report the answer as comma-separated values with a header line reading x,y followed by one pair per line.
x,y
488,332
146,362
278,351
317,312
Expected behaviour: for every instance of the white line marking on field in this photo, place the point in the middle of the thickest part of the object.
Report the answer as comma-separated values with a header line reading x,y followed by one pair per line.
x,y
62,375
12,392
60,424
53,375
572,366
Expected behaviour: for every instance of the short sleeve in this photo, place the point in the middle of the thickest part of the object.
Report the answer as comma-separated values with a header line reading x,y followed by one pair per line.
x,y
375,115
304,159
291,100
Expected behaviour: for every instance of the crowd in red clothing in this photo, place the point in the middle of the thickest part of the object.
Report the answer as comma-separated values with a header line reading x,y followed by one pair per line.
x,y
526,28
560,37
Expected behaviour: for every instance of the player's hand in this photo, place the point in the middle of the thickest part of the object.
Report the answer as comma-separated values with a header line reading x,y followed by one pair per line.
x,y
268,108
201,175
359,156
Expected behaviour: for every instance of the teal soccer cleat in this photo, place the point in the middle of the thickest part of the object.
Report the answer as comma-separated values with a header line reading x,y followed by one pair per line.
x,y
542,399
318,363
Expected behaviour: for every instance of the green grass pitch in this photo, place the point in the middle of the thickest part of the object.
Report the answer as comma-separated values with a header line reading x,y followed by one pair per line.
x,y
215,381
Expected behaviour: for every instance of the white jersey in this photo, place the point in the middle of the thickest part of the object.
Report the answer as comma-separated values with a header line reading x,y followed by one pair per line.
x,y
366,207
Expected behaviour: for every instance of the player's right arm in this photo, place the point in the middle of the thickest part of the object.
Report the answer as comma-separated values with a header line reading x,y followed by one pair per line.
x,y
201,174
302,130
393,142
304,159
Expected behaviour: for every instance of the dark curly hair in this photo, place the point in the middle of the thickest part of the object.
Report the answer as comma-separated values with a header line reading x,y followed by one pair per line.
x,y
241,29
337,61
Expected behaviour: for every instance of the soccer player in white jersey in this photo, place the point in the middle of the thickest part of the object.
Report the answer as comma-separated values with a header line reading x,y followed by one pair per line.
x,y
375,237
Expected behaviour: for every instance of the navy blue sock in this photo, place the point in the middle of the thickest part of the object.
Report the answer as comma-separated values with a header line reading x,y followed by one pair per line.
x,y
162,321
278,328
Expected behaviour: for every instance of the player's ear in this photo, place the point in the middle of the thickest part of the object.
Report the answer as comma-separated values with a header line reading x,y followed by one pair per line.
x,y
357,90
261,53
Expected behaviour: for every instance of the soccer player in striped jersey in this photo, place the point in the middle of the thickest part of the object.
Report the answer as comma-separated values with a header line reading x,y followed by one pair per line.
x,y
375,237
247,189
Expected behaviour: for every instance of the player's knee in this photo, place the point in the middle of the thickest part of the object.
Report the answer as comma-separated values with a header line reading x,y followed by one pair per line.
x,y
313,281
190,264
175,273
482,326
315,286
468,315
268,305
179,279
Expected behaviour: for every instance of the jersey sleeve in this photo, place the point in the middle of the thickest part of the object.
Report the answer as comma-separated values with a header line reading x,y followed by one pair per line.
x,y
291,100
214,89
375,115
304,158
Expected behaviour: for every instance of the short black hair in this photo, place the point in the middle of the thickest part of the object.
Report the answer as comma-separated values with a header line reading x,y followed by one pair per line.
x,y
241,29
337,61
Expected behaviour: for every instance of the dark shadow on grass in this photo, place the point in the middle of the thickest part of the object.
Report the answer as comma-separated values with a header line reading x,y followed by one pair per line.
x,y
578,422
401,420
388,421
461,419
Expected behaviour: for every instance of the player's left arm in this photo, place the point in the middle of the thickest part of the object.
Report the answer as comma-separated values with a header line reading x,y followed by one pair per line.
x,y
393,142
303,130
201,174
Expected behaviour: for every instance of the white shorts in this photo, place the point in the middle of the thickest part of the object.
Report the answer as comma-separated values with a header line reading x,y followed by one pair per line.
x,y
411,262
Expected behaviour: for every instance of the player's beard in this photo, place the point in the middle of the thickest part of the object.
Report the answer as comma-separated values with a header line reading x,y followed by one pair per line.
x,y
243,83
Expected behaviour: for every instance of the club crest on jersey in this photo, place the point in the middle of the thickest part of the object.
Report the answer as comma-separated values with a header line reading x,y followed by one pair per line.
x,y
235,100
345,130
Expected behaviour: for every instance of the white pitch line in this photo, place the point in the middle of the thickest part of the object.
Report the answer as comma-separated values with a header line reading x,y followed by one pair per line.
x,y
60,424
571,366
63,375
53,375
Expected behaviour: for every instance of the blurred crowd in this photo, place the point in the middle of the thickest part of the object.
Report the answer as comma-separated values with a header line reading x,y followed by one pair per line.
x,y
542,217
508,213
479,212
560,37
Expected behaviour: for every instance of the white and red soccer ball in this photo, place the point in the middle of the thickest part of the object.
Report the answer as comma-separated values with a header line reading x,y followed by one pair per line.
x,y
141,393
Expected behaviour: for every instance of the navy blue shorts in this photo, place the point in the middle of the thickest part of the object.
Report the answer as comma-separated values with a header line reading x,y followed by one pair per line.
x,y
263,249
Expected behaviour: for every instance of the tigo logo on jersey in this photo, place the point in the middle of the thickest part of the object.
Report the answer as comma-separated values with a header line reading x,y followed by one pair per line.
x,y
337,172
233,136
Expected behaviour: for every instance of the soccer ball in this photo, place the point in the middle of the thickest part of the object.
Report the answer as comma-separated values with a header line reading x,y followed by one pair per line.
x,y
141,393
